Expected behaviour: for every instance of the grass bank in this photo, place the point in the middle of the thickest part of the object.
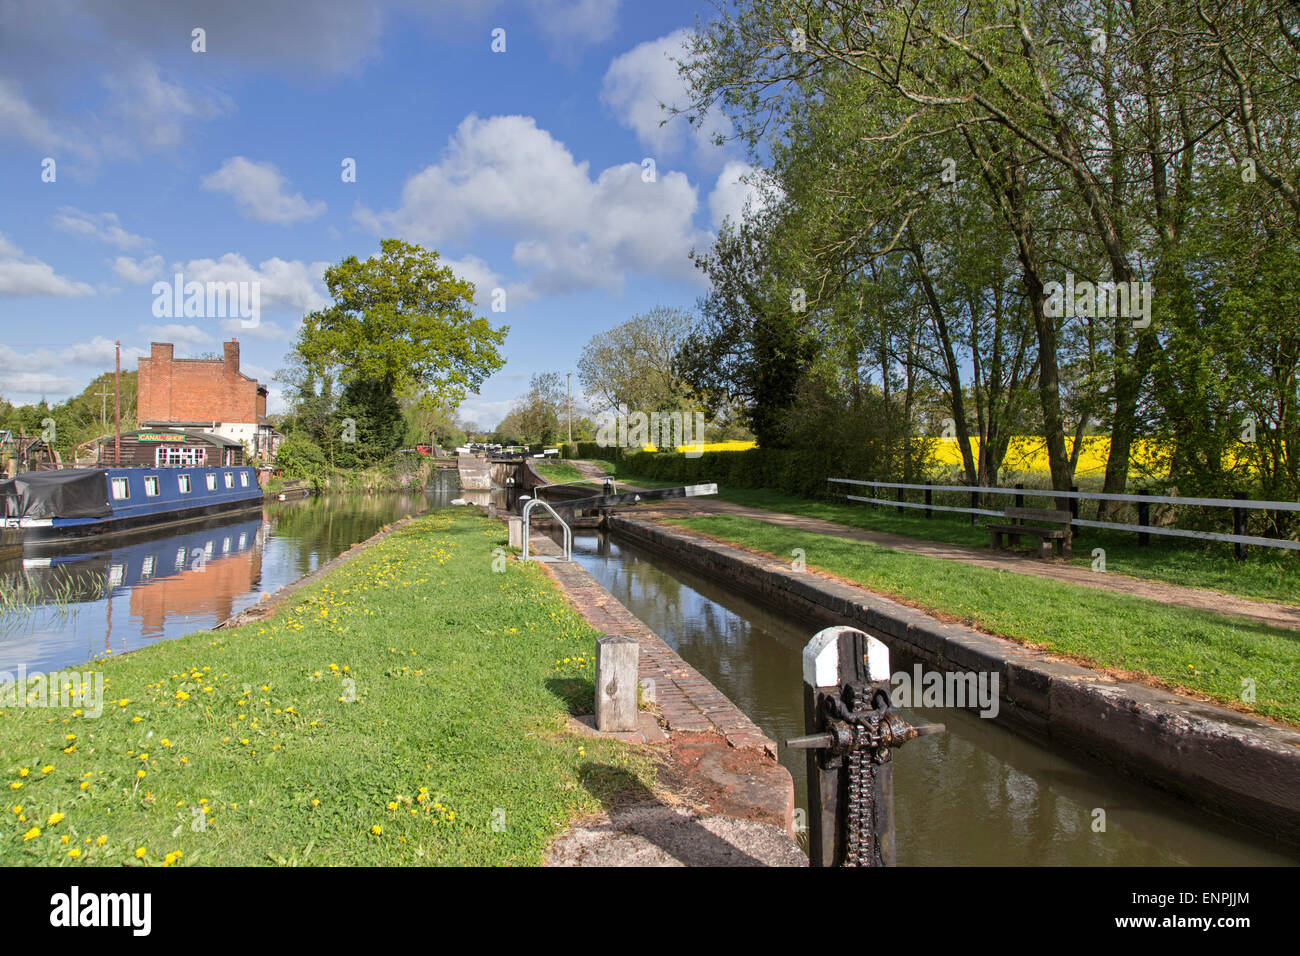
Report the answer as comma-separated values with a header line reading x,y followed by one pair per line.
x,y
408,708
557,472
1204,653
1266,574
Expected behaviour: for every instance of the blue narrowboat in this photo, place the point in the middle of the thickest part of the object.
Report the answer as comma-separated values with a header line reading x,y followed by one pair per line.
x,y
49,507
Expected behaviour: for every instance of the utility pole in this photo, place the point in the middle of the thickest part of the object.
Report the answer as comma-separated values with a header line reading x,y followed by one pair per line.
x,y
103,394
117,407
568,388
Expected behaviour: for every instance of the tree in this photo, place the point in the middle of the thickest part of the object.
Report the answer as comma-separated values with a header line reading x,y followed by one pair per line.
x,y
631,365
537,417
402,319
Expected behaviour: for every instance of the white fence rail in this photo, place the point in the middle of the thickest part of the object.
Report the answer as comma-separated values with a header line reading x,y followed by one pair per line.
x,y
1238,506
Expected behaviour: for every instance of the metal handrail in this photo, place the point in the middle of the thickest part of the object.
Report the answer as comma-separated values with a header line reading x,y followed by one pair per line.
x,y
568,535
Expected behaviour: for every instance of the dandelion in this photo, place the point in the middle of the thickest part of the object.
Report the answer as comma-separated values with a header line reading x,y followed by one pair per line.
x,y
53,819
140,852
31,834
75,852
376,830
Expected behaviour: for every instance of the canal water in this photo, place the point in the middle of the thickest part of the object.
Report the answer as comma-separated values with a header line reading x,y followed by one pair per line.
x,y
977,795
82,604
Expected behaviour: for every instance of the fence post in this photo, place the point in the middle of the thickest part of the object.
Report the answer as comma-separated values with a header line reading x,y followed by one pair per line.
x,y
899,497
1144,518
617,659
1239,526
1020,499
974,503
1074,506
928,512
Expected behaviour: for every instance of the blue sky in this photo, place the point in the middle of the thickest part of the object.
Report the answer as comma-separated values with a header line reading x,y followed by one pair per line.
x,y
523,169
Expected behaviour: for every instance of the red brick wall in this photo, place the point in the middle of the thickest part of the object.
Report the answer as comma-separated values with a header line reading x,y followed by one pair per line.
x,y
196,390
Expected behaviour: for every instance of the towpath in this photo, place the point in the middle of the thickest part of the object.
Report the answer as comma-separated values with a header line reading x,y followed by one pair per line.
x,y
1200,599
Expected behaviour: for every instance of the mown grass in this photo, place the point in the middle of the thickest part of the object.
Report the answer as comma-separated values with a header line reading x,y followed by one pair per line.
x,y
1265,574
1205,653
558,472
620,472
409,708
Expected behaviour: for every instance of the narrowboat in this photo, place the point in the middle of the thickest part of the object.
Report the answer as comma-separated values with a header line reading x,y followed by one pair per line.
x,y
51,507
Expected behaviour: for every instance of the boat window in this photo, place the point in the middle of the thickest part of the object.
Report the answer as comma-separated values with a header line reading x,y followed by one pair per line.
x,y
151,486
212,482
180,558
146,570
183,484
243,479
230,480
121,490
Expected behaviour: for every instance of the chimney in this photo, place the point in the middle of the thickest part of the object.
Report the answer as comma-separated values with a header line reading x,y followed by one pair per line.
x,y
232,357
161,351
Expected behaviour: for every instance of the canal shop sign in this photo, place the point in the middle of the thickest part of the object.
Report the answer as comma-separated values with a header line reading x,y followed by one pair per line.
x,y
160,437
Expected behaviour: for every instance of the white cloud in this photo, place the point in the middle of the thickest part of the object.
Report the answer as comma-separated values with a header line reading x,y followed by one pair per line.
x,y
259,192
137,271
145,109
486,415
293,286
22,121
176,333
486,282
571,23
741,189
22,275
43,373
105,227
644,80
503,174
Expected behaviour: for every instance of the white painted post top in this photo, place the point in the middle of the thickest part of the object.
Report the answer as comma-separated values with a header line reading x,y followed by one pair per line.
x,y
821,658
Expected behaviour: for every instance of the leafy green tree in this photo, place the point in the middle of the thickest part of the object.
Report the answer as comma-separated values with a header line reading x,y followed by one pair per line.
x,y
403,319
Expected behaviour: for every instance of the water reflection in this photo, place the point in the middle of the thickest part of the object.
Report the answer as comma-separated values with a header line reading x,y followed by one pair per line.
x,y
978,794
148,588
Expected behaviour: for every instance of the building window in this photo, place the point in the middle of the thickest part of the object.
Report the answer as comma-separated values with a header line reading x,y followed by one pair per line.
x,y
121,490
230,480
183,484
243,479
178,456
151,486
212,482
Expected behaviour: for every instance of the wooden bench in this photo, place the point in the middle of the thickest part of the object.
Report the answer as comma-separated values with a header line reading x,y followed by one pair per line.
x,y
1049,539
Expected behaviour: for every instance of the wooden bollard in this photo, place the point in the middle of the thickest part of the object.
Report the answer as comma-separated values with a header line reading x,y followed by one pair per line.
x,y
617,660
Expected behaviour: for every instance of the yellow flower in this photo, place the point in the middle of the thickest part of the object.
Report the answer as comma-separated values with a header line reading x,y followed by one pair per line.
x,y
101,839
315,802
392,805
47,768
165,742
139,774
140,852
376,830
53,819
31,834
16,785
24,772
74,852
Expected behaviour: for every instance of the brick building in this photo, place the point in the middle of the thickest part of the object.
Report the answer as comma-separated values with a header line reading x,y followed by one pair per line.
x,y
208,394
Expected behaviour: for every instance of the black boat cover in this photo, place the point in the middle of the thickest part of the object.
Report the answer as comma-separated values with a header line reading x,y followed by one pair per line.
x,y
68,493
